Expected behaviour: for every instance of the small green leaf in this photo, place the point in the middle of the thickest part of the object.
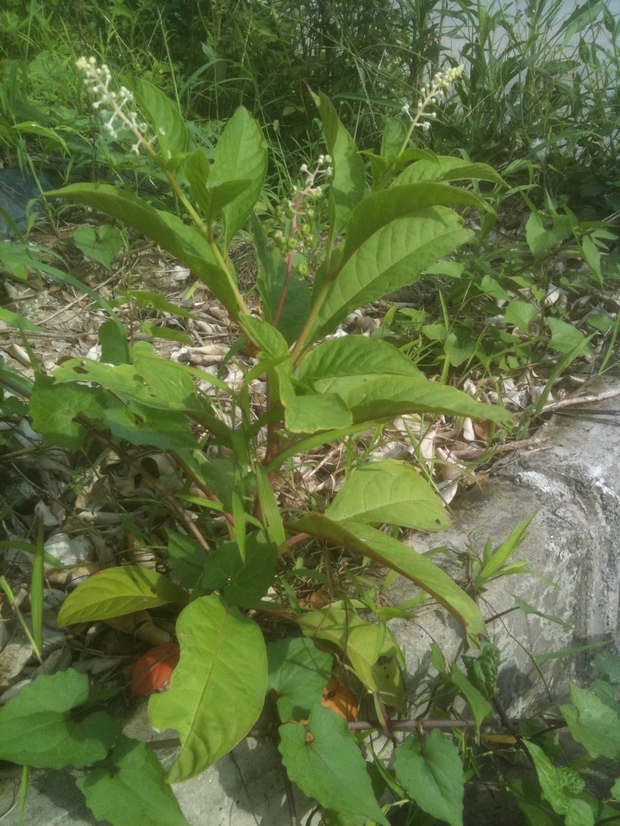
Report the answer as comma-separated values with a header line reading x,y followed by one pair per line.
x,y
241,154
312,414
165,119
101,243
131,788
480,706
521,314
210,199
36,727
593,723
330,767
392,492
370,648
242,581
432,774
298,673
54,407
494,566
218,688
566,338
16,320
118,591
113,340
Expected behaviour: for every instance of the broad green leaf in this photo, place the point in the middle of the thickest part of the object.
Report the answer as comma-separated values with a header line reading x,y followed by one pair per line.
x,y
329,767
36,727
131,788
528,794
391,256
521,314
100,243
165,119
385,397
241,581
118,591
54,407
565,338
392,492
380,547
218,688
311,414
593,723
298,673
16,320
554,784
353,356
113,339
184,242
609,664
541,240
432,773
210,199
241,154
370,648
447,168
140,424
348,181
270,340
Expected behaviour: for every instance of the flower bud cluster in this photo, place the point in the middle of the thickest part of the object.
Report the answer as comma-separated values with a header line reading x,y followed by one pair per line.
x,y
430,95
114,106
296,214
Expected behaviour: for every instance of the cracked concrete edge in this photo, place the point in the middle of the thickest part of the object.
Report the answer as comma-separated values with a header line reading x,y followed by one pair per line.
x,y
571,484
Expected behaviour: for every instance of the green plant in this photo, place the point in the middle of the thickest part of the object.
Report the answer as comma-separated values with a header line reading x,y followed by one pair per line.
x,y
231,551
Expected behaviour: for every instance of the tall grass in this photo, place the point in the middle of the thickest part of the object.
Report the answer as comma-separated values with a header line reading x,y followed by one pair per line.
x,y
540,84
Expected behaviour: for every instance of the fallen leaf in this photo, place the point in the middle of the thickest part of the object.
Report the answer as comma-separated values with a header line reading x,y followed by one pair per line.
x,y
340,700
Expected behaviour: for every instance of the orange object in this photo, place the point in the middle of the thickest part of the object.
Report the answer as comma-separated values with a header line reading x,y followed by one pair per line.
x,y
153,670
340,700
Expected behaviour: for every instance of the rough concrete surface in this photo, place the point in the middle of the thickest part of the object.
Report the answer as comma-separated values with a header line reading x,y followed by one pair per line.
x,y
571,482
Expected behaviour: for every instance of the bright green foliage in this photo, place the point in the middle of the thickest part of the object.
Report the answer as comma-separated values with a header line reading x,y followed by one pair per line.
x,y
217,690
327,764
119,591
37,728
389,491
298,672
557,787
432,773
593,723
131,788
370,648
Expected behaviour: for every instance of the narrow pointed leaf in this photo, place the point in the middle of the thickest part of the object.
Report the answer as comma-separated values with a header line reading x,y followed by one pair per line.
x,y
593,723
218,688
184,242
392,492
329,767
116,592
348,181
369,542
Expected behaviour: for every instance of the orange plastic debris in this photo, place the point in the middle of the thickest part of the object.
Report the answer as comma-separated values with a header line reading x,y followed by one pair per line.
x,y
340,699
153,670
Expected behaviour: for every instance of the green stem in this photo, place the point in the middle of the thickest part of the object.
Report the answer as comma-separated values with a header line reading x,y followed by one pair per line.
x,y
300,345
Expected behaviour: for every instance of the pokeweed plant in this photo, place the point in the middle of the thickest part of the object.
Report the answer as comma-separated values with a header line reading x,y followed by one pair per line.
x,y
230,557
